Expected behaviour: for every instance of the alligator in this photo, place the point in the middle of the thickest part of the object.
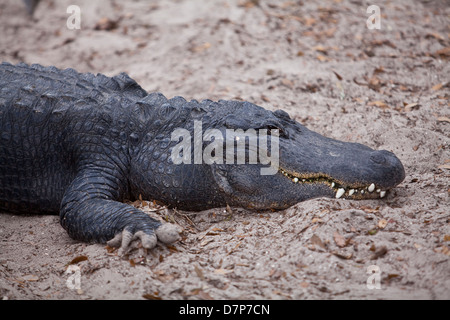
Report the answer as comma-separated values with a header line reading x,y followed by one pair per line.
x,y
80,145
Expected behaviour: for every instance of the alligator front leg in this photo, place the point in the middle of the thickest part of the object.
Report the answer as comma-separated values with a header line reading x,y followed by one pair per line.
x,y
89,212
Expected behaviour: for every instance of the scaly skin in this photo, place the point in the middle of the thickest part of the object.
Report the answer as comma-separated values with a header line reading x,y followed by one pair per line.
x,y
79,145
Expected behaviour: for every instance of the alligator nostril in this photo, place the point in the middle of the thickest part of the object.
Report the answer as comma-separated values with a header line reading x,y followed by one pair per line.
x,y
389,166
379,157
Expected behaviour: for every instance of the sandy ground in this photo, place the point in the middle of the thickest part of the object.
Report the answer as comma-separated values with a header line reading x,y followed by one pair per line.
x,y
386,88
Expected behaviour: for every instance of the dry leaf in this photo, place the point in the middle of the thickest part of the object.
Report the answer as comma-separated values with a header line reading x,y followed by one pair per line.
x,y
330,32
280,293
379,253
201,47
106,24
199,272
236,246
322,58
315,219
304,284
382,223
205,295
265,98
30,277
135,261
154,296
309,21
444,53
206,241
339,239
159,272
392,276
411,106
444,249
172,248
223,271
444,166
443,119
375,83
437,87
369,209
316,240
342,255
434,35
214,232
320,49
248,4
378,70
286,82
337,75
78,259
379,104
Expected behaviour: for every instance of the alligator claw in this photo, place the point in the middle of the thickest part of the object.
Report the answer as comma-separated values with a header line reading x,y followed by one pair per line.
x,y
166,233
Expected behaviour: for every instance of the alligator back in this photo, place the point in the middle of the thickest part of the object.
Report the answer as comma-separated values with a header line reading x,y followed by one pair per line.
x,y
44,114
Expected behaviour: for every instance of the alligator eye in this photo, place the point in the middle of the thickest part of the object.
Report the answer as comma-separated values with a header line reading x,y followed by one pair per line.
x,y
282,114
281,131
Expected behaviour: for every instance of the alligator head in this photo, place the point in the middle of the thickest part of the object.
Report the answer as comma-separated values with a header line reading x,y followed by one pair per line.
x,y
309,165
303,164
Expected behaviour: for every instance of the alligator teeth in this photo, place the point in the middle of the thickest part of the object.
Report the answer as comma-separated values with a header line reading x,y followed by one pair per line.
x,y
339,193
341,190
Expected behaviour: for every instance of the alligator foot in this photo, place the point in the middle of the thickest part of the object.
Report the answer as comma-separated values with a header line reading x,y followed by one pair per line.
x,y
166,233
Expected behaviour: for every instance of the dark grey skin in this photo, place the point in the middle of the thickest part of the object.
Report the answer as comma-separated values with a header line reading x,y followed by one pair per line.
x,y
78,145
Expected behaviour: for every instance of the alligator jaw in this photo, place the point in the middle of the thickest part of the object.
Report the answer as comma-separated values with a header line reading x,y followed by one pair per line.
x,y
341,189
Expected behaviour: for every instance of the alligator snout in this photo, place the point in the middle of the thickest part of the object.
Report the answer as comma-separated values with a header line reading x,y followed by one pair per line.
x,y
382,157
389,165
